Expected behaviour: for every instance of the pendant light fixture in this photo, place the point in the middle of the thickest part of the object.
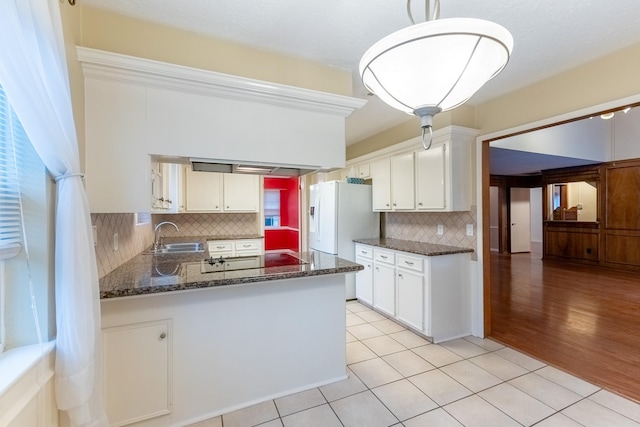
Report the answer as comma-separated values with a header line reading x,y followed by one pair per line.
x,y
436,65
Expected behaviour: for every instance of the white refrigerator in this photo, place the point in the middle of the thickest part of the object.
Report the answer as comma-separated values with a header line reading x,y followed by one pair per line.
x,y
340,212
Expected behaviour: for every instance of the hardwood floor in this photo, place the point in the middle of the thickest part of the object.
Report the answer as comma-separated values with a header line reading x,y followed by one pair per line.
x,y
584,320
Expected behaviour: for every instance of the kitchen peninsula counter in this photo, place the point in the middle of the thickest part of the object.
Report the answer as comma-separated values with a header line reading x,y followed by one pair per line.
x,y
418,248
150,274
283,327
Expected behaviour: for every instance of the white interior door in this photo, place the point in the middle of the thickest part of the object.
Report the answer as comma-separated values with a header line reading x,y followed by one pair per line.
x,y
520,220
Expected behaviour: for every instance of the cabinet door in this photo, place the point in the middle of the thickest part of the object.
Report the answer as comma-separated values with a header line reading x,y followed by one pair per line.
x,y
157,187
402,182
241,193
203,191
364,281
142,352
364,171
118,178
381,186
384,288
430,178
410,286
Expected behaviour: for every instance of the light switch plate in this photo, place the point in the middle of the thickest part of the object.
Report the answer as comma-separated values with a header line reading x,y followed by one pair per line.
x,y
115,241
469,229
440,231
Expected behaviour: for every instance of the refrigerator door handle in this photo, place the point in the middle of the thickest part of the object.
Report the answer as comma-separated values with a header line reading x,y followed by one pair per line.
x,y
317,218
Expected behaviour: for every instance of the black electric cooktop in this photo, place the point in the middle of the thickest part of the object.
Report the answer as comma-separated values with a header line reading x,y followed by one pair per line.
x,y
212,265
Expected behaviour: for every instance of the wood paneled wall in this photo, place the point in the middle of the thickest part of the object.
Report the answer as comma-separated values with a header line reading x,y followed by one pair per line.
x,y
613,240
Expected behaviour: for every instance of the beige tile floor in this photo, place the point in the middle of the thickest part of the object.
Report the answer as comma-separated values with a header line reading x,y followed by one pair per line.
x,y
396,378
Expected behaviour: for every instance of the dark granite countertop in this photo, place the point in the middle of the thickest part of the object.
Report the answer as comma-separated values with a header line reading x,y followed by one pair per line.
x,y
419,248
151,274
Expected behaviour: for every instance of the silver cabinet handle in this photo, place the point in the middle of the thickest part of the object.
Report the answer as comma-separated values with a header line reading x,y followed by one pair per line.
x,y
387,204
384,256
246,246
408,262
219,247
163,335
419,203
400,275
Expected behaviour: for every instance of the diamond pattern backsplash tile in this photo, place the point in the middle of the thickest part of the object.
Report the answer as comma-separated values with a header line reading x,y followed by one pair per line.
x,y
133,239
423,227
226,224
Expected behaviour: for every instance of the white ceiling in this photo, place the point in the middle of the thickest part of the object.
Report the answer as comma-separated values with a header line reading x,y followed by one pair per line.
x,y
550,35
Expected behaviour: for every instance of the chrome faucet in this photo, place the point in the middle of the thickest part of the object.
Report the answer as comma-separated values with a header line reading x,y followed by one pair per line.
x,y
158,241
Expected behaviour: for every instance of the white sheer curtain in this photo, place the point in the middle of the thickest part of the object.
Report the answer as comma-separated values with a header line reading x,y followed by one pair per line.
x,y
33,72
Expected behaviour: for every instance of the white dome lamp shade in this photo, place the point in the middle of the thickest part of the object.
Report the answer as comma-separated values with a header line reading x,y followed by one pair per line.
x,y
436,65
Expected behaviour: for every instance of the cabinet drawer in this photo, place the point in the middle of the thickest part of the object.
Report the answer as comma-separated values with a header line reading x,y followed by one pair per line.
x,y
215,247
248,245
364,251
384,256
409,262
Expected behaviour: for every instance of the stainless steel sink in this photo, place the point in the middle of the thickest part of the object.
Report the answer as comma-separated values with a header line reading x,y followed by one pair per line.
x,y
178,248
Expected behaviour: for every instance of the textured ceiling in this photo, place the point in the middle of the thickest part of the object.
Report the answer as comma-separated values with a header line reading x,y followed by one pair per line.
x,y
550,35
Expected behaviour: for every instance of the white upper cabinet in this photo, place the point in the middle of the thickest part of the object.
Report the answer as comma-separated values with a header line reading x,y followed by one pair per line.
x,y
381,188
221,192
430,179
437,180
203,191
402,182
241,193
443,177
393,183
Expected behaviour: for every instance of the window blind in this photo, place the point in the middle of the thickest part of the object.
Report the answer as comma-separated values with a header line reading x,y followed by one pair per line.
x,y
12,137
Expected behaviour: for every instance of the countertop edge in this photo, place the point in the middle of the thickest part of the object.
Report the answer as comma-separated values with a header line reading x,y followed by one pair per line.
x,y
414,247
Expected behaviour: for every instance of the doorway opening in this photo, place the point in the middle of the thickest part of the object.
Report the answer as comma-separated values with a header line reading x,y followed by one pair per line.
x,y
281,214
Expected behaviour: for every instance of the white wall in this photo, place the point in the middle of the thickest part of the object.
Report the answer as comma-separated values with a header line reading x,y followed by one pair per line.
x,y
535,199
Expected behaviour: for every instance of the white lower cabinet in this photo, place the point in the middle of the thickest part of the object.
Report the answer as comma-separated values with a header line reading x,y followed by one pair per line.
x,y
364,280
141,351
430,294
384,289
384,286
410,288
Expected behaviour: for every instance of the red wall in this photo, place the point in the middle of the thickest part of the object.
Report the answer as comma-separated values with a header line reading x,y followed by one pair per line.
x,y
289,214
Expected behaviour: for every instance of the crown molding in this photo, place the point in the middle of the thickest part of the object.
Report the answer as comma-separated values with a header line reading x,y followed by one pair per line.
x,y
116,67
440,136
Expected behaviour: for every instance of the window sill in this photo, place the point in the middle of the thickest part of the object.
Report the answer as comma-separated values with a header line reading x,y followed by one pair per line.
x,y
17,362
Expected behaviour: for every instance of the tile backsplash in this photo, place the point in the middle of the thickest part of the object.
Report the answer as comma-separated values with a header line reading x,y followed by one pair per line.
x,y
423,227
200,224
133,239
